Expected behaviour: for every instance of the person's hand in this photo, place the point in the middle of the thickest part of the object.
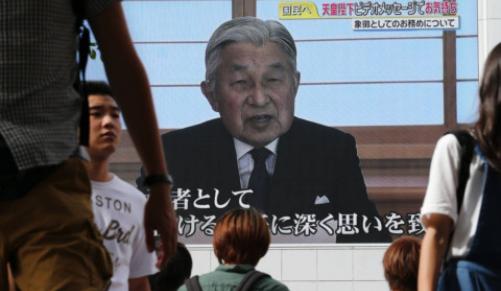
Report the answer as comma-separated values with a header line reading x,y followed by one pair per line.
x,y
159,215
159,249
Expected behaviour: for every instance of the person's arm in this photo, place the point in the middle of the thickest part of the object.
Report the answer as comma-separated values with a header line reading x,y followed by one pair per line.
x,y
130,87
439,211
433,248
139,284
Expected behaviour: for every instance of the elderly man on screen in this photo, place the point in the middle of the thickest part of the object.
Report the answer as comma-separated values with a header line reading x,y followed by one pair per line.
x,y
257,153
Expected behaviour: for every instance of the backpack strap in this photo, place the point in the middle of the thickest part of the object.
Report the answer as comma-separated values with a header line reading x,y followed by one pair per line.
x,y
193,284
467,143
250,279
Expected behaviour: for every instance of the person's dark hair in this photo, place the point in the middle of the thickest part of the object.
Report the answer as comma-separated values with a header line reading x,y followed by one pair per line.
x,y
177,270
98,88
241,236
401,263
488,126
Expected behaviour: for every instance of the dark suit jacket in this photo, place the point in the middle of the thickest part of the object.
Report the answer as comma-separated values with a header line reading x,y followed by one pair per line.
x,y
312,160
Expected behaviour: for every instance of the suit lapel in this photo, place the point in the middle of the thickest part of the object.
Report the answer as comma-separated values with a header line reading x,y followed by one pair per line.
x,y
223,150
283,185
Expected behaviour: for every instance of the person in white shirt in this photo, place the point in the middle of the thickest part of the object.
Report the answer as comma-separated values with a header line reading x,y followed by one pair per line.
x,y
118,206
462,226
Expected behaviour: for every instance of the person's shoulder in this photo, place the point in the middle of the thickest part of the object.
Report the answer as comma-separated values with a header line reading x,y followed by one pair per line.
x,y
207,280
198,130
447,144
186,144
270,284
319,134
317,128
448,140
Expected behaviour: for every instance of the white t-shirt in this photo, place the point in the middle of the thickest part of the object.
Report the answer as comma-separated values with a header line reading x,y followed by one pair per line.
x,y
118,212
441,192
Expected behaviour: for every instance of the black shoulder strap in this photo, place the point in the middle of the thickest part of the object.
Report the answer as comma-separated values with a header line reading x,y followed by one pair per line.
x,y
466,154
83,54
192,284
250,279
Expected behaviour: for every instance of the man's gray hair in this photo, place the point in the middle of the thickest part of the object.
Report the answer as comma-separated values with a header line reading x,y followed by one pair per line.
x,y
247,29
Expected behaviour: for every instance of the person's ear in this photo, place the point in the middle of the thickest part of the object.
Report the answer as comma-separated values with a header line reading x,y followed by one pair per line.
x,y
296,79
208,91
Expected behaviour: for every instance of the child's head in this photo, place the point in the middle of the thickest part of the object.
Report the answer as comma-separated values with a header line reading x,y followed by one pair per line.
x,y
241,236
401,263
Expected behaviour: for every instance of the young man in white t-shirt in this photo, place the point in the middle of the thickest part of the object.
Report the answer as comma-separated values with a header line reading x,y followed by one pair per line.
x,y
118,207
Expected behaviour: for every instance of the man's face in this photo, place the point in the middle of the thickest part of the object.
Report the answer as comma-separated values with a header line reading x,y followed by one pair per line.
x,y
254,92
105,126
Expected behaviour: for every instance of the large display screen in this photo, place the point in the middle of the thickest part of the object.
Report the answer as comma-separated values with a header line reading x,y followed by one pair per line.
x,y
374,95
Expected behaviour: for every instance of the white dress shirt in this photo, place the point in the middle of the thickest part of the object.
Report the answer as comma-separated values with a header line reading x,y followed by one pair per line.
x,y
246,162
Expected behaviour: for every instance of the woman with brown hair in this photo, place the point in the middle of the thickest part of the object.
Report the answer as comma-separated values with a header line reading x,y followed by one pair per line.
x,y
241,239
466,227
